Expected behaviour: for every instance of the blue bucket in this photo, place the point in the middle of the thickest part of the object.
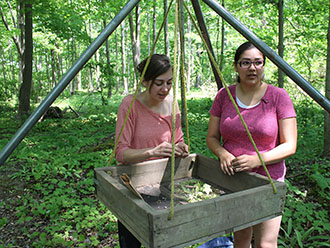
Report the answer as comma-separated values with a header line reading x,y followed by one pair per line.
x,y
221,242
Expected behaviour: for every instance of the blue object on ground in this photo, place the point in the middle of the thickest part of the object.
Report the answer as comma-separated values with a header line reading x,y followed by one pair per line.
x,y
221,242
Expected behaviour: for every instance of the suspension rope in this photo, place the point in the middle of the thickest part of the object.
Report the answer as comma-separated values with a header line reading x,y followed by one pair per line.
x,y
175,69
184,81
231,97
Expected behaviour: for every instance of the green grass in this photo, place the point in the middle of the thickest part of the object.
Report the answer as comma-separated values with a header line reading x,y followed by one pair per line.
x,y
48,195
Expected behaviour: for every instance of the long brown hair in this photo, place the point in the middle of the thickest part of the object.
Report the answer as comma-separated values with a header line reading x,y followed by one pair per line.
x,y
158,65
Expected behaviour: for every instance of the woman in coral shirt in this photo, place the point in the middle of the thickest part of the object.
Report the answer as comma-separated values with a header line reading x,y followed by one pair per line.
x,y
148,131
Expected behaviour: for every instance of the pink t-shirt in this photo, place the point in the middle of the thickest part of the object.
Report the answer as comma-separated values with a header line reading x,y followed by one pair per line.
x,y
144,128
261,120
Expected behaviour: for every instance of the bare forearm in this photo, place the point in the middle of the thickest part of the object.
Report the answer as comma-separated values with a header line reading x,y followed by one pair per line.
x,y
136,155
163,150
288,146
215,146
278,154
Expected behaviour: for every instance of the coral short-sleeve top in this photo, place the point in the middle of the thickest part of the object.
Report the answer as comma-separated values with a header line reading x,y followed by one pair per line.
x,y
144,128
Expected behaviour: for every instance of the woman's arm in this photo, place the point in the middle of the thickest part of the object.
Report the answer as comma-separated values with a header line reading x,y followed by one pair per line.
x,y
286,148
126,154
162,150
213,142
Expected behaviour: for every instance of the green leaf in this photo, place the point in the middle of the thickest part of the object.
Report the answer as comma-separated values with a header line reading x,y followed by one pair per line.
x,y
43,237
307,233
321,181
289,227
299,240
3,221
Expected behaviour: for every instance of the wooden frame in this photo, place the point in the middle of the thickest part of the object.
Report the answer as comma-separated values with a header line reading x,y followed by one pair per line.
x,y
250,202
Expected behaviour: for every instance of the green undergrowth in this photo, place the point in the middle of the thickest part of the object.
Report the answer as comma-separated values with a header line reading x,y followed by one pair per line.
x,y
48,197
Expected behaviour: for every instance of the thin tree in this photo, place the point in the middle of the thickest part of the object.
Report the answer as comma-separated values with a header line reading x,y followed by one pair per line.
x,y
166,36
117,65
107,51
280,41
123,63
222,50
25,89
182,68
52,52
135,41
154,23
327,95
190,55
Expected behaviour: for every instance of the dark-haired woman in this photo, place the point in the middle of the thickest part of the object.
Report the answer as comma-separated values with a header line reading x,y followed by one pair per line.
x,y
148,130
270,116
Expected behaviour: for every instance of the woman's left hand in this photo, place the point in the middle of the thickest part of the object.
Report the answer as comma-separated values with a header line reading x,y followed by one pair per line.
x,y
182,149
245,162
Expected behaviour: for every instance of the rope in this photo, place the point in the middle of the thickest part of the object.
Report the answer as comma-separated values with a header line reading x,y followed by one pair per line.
x,y
174,107
231,97
184,83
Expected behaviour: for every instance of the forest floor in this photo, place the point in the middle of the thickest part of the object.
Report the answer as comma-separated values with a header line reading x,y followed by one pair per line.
x,y
11,192
47,186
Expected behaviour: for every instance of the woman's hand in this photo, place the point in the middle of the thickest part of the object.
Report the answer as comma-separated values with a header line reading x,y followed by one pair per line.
x,y
245,162
181,149
162,150
165,150
226,159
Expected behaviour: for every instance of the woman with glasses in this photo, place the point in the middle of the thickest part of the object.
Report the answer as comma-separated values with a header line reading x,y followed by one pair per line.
x,y
147,133
271,119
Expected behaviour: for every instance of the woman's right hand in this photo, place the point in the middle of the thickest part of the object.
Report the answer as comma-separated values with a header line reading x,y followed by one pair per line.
x,y
226,163
164,150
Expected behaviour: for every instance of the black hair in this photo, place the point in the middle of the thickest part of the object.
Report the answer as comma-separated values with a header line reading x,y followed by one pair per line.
x,y
240,50
158,65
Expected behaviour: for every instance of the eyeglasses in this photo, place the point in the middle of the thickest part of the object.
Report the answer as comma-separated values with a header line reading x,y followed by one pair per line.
x,y
245,64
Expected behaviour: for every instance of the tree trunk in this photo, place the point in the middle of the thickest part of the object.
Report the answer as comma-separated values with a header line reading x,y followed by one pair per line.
x,y
280,41
190,55
52,52
4,72
154,24
134,49
59,69
98,73
326,148
148,34
3,59
203,28
79,83
166,36
117,65
91,74
73,58
13,71
21,48
222,50
123,54
91,81
25,90
137,38
48,73
182,67
198,74
107,52
18,40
